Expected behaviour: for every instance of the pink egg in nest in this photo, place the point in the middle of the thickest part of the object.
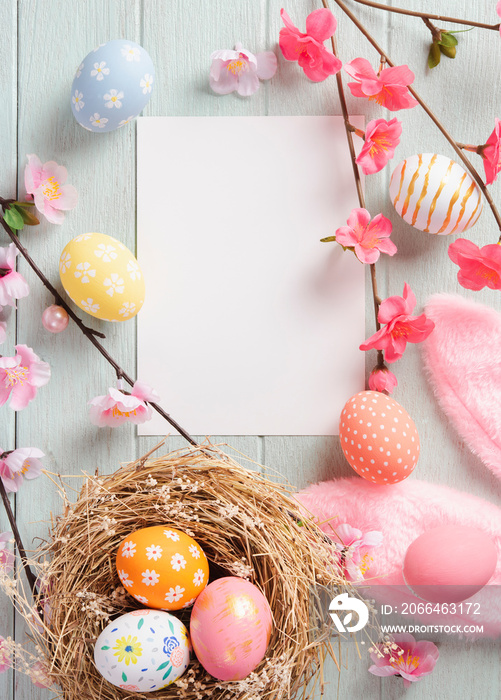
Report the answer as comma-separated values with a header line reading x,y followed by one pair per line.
x,y
378,438
449,564
230,628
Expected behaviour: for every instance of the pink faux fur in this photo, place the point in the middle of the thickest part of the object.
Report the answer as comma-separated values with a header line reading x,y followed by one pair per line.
x,y
463,361
403,512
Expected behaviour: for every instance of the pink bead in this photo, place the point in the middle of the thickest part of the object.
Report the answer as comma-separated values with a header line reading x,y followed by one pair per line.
x,y
55,318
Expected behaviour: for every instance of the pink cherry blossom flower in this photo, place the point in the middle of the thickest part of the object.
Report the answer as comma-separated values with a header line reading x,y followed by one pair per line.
x,y
21,377
491,154
39,675
46,184
381,139
5,657
367,238
12,285
381,379
23,462
240,70
116,407
3,334
400,326
479,267
352,547
7,557
412,660
389,87
308,49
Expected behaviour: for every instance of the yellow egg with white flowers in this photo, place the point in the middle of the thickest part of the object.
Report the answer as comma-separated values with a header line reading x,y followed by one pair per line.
x,y
102,277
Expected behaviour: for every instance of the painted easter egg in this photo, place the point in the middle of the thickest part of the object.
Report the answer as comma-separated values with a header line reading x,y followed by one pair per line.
x,y
143,650
230,628
434,194
102,277
162,567
112,85
378,438
449,563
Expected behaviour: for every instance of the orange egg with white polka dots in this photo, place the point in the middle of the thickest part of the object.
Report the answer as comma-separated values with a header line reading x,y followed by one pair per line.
x,y
162,567
378,437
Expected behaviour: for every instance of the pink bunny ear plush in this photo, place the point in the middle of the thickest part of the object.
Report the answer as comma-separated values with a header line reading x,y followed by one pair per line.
x,y
463,361
403,512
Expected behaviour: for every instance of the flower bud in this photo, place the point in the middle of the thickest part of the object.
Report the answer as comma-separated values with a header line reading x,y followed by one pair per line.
x,y
381,379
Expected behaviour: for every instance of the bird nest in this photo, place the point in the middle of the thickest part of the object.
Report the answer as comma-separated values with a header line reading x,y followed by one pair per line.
x,y
247,525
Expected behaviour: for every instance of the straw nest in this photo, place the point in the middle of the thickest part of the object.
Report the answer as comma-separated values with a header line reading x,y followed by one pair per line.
x,y
247,525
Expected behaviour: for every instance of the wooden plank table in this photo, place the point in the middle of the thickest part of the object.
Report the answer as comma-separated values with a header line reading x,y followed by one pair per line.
x,y
43,42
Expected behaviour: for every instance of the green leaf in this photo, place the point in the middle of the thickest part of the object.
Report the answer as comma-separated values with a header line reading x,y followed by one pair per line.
x,y
165,663
28,218
328,239
449,51
124,677
140,623
434,55
166,674
171,627
447,40
104,648
14,219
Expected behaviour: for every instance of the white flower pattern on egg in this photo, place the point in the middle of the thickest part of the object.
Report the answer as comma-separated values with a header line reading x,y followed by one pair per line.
x,y
65,262
154,552
141,599
98,120
194,551
174,594
146,83
113,99
77,100
198,578
106,252
114,283
178,562
128,549
131,53
150,578
89,305
171,535
127,309
84,272
124,578
133,270
99,70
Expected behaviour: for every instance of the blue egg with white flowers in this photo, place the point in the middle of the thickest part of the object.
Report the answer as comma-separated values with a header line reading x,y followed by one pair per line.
x,y
112,85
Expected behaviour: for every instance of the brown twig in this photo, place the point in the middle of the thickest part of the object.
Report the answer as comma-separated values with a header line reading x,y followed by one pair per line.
x,y
89,333
20,547
358,181
427,15
427,110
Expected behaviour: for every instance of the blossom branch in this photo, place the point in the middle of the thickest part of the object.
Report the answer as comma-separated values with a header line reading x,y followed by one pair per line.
x,y
358,182
469,166
89,333
20,547
426,15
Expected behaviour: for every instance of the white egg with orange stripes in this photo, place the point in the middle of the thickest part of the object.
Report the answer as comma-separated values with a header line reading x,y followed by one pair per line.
x,y
435,194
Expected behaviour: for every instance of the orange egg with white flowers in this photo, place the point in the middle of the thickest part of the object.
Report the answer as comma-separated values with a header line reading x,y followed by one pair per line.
x,y
162,567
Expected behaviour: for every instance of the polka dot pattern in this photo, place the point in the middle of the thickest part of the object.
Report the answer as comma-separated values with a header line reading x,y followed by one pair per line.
x,y
378,438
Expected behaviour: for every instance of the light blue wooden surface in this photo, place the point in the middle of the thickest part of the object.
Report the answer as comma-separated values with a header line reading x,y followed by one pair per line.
x,y
43,41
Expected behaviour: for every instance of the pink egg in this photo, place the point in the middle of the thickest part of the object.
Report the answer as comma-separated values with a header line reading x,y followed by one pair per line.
x,y
378,438
450,563
230,628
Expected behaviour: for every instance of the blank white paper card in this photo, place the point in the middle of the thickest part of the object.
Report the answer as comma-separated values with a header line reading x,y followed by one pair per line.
x,y
250,325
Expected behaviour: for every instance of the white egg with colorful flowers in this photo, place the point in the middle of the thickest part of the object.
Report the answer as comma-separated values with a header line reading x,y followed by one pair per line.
x,y
112,85
143,650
